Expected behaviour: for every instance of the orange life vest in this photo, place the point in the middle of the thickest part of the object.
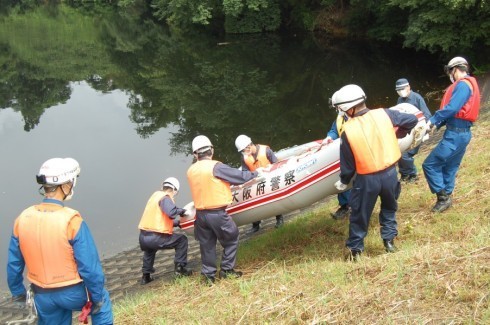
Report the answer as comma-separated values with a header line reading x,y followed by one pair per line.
x,y
471,108
44,231
154,219
208,192
261,160
373,141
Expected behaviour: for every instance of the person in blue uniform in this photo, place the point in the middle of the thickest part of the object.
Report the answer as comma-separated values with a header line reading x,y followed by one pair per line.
x,y
369,151
210,182
406,166
459,108
333,134
55,244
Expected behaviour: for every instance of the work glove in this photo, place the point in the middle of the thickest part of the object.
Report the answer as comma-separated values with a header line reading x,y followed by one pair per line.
x,y
418,133
326,141
429,126
260,172
340,186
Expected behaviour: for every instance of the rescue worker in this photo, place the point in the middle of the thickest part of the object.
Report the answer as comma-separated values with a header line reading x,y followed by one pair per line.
x,y
343,198
210,182
406,166
255,156
369,151
156,230
55,244
459,108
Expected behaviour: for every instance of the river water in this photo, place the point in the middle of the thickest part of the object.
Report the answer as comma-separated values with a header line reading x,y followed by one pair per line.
x,y
125,98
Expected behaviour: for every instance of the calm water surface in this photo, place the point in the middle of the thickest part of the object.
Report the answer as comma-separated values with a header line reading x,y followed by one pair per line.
x,y
126,98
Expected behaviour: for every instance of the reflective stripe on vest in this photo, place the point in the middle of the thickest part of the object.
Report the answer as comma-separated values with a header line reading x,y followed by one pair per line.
x,y
373,141
154,219
261,160
471,108
43,240
208,192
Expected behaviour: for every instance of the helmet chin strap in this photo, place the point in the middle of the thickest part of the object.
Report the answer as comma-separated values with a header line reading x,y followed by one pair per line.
x,y
70,193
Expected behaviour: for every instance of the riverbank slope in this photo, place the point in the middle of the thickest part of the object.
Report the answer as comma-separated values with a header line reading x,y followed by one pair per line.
x,y
297,274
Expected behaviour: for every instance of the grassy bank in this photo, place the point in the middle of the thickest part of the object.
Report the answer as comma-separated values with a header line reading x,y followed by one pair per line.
x,y
297,274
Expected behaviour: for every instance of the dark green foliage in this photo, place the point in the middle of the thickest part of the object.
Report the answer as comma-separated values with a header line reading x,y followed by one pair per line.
x,y
254,20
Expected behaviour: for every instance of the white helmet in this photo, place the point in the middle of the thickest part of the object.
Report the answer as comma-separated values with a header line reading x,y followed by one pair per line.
x,y
200,144
57,171
347,97
172,182
242,141
456,61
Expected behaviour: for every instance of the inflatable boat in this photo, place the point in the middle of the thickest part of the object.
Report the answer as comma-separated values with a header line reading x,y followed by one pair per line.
x,y
304,174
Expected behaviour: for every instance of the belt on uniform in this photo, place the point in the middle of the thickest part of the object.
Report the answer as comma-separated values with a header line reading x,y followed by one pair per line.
x,y
38,289
455,129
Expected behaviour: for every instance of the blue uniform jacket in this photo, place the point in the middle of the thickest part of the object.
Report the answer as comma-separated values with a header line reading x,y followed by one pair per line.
x,y
460,96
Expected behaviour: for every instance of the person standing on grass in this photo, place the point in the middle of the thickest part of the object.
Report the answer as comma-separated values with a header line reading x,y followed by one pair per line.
x,y
369,151
55,244
210,182
254,156
156,230
459,108
335,131
406,166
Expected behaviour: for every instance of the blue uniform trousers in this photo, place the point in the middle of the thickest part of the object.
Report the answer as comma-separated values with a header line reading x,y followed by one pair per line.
x,y
151,242
210,226
441,165
343,197
364,194
55,306
406,164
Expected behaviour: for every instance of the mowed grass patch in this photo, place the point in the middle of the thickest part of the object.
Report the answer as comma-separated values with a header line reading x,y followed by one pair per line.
x,y
297,274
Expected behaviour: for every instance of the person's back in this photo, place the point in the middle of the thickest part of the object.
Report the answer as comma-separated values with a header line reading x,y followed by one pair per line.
x,y
368,153
55,244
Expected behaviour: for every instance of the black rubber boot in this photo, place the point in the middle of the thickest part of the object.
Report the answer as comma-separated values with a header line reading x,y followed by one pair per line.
x,y
208,279
342,212
389,245
443,203
181,270
224,274
255,226
279,221
353,256
147,278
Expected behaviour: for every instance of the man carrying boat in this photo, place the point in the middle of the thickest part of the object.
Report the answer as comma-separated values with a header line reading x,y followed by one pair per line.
x,y
369,151
55,244
343,198
210,182
406,166
255,156
459,109
156,230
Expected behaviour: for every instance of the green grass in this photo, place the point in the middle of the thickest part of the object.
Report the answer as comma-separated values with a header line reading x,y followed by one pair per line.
x,y
297,274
